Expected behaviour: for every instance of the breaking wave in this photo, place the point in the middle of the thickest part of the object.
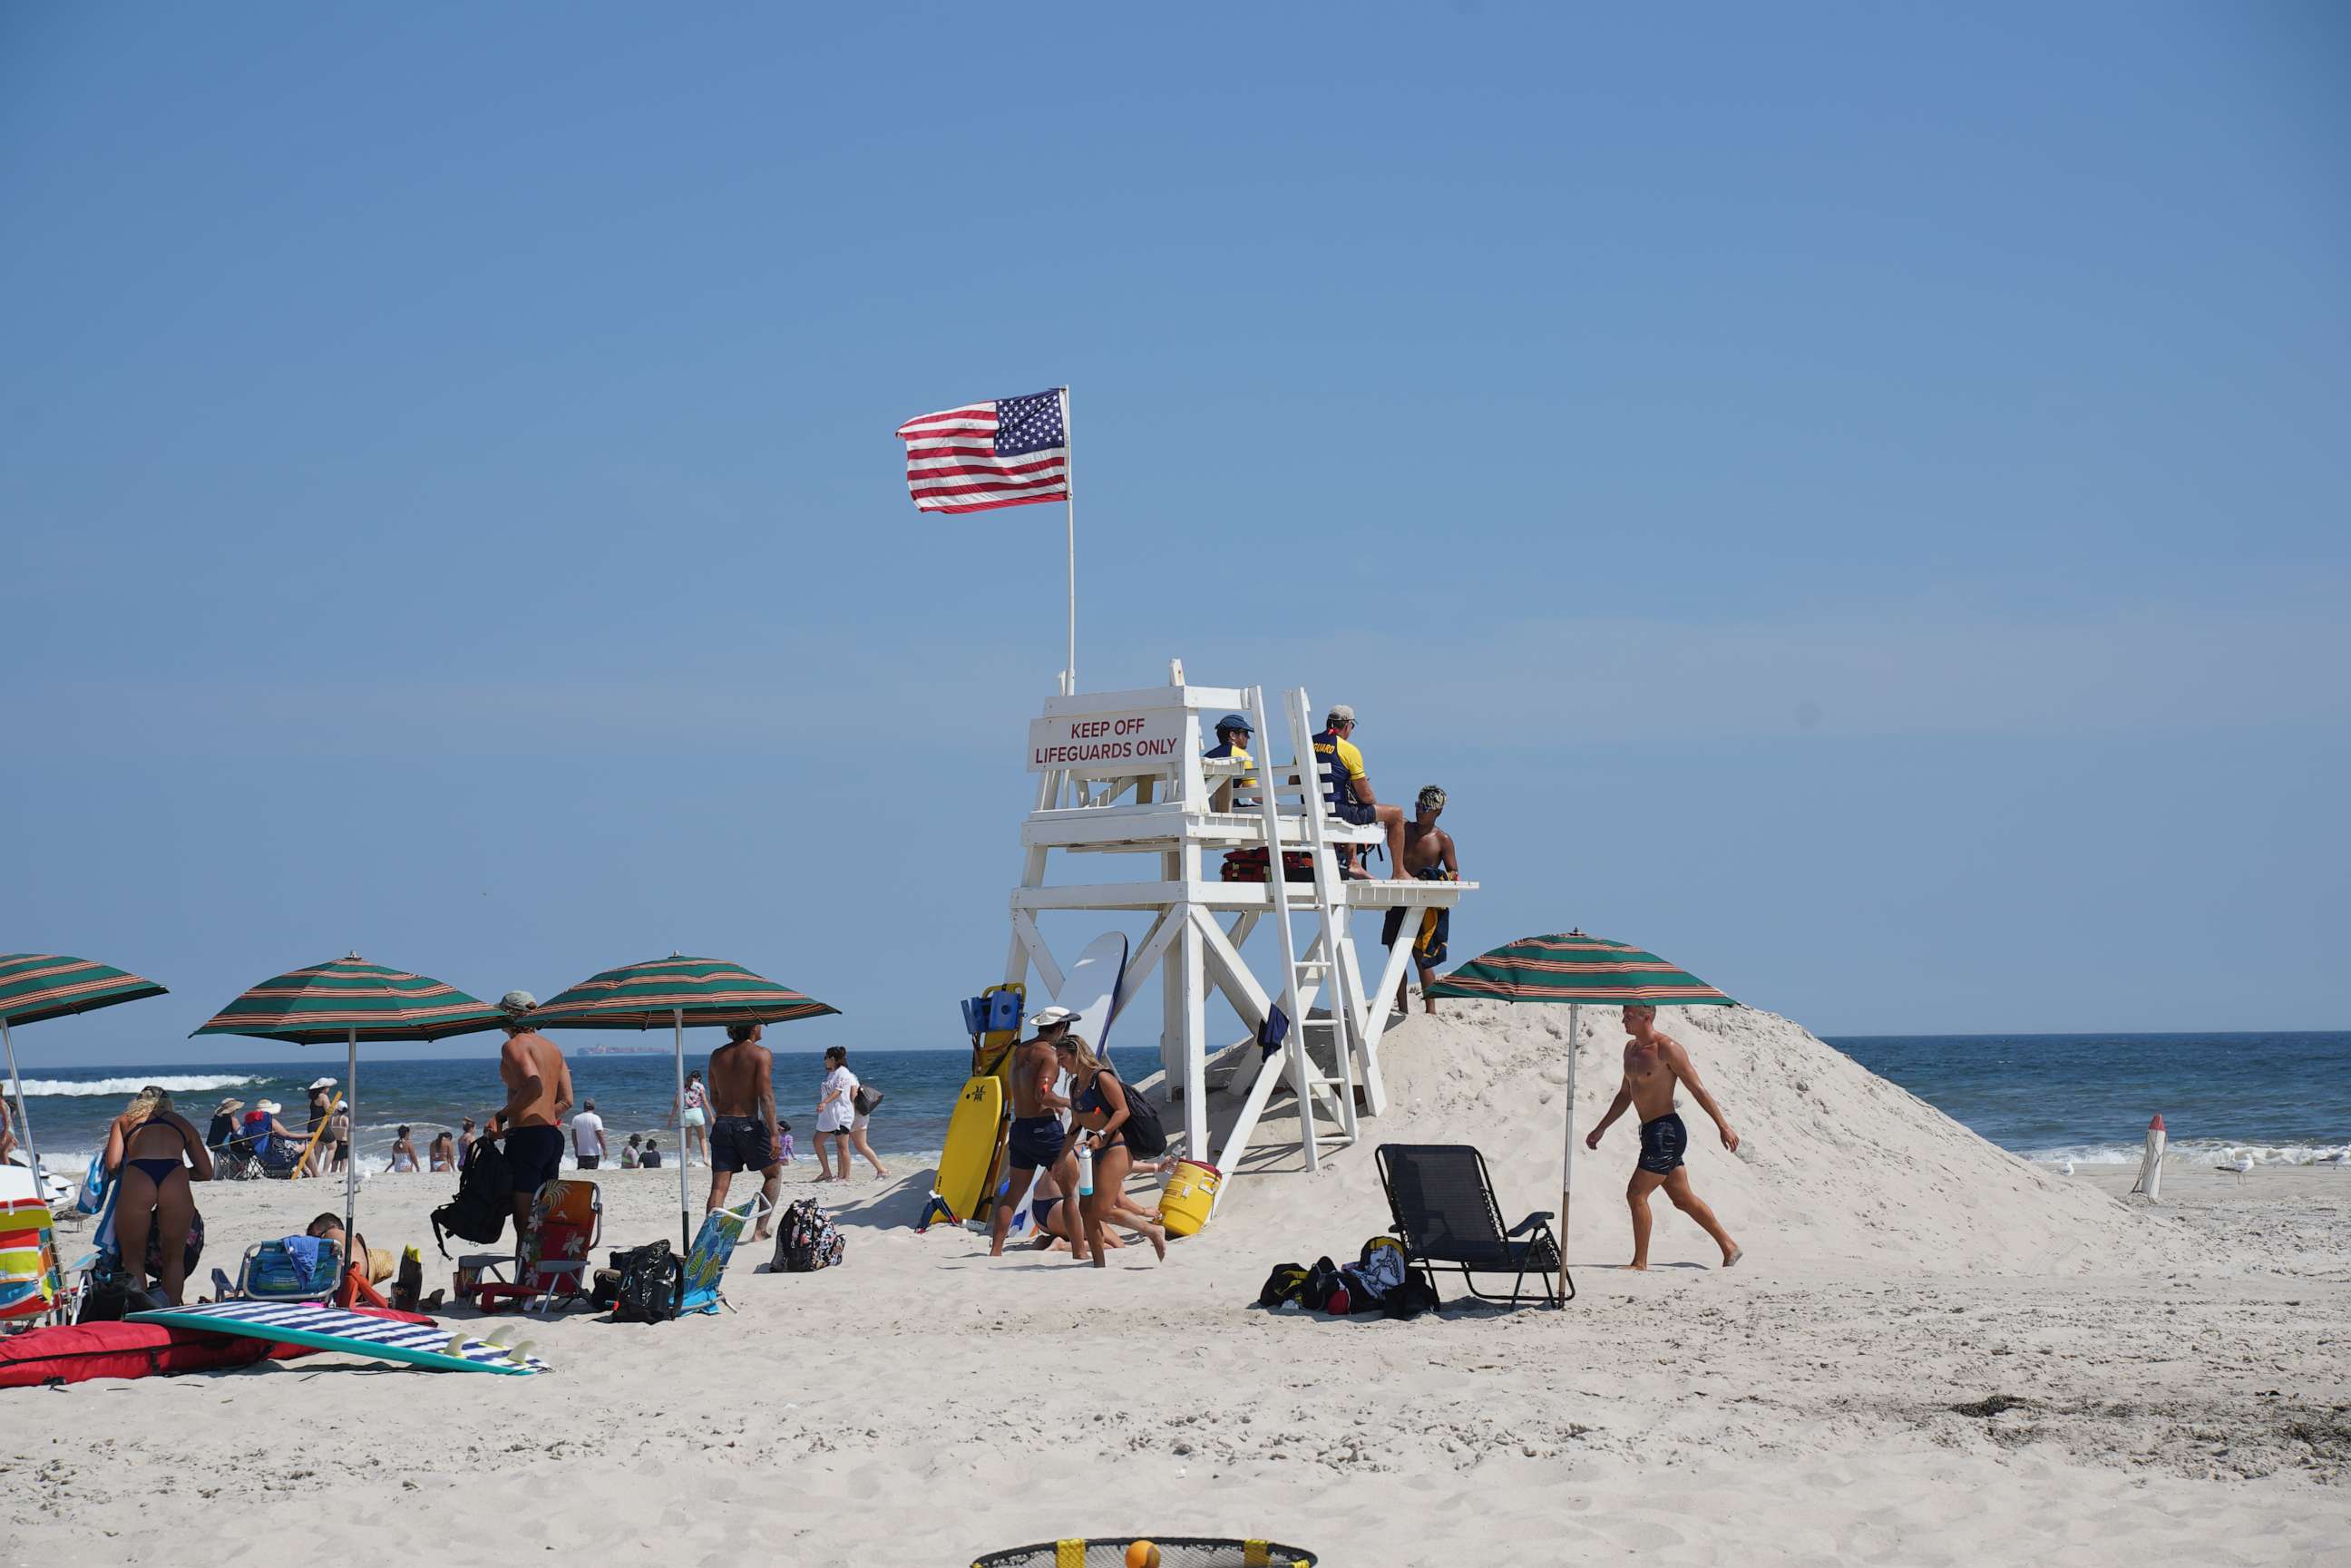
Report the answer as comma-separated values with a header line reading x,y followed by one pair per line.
x,y
177,1083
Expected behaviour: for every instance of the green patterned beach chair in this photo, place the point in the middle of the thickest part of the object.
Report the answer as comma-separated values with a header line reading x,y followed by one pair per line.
x,y
706,1264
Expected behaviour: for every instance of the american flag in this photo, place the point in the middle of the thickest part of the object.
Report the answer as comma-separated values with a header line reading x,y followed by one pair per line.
x,y
983,455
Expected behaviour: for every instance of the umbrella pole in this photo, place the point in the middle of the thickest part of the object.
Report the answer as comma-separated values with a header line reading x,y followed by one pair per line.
x,y
684,1240
1567,1157
23,1118
351,1164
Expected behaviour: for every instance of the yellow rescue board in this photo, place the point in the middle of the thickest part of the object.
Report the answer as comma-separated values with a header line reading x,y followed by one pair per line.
x,y
311,1143
971,1145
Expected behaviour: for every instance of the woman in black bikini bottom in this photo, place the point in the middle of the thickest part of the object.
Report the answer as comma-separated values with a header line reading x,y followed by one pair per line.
x,y
1098,1103
146,1148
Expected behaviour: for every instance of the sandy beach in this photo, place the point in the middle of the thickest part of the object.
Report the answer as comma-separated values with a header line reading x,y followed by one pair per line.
x,y
1933,1353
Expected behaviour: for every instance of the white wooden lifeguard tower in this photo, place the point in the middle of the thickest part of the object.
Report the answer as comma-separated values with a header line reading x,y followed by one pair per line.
x,y
1122,773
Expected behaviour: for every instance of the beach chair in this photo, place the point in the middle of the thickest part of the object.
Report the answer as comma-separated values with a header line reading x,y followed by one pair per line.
x,y
294,1269
567,1220
1442,1200
714,1247
32,1285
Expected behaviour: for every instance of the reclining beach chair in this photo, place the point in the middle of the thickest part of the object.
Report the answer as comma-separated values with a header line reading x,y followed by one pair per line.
x,y
292,1269
567,1220
1442,1200
714,1247
233,1161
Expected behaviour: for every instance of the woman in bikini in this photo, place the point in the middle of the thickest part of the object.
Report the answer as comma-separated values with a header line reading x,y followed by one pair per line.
x,y
1098,1102
150,1148
443,1153
1056,1217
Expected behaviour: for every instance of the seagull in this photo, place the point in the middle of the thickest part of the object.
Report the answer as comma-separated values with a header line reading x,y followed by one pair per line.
x,y
2340,1156
2069,1167
2242,1165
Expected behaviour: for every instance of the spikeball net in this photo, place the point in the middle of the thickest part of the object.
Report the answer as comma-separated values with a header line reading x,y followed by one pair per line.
x,y
1174,1551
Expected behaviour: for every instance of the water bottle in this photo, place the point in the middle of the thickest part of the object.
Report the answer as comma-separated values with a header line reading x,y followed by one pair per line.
x,y
1085,1168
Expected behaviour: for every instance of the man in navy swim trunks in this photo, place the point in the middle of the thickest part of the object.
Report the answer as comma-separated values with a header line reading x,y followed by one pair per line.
x,y
1655,1065
538,1097
1036,1140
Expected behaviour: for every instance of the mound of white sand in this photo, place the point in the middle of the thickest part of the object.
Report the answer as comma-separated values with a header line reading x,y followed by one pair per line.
x,y
1836,1164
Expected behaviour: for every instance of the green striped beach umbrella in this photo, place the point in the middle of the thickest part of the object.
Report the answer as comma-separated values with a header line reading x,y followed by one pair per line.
x,y
1575,968
351,1000
677,991
37,986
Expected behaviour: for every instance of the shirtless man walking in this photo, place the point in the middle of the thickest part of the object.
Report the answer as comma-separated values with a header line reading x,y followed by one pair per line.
x,y
743,1136
538,1097
1036,1139
1654,1064
1429,855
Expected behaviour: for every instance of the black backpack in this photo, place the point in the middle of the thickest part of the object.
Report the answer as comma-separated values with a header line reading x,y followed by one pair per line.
x,y
485,1200
651,1284
1286,1283
1145,1135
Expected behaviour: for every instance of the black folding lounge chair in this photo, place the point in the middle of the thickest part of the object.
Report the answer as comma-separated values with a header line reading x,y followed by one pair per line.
x,y
1443,1201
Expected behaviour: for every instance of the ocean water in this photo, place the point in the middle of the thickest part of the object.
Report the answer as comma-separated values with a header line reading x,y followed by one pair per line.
x,y
2284,1098
633,1093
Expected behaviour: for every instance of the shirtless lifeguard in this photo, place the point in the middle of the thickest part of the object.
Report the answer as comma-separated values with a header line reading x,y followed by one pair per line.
x,y
1428,856
538,1097
1654,1064
1034,1139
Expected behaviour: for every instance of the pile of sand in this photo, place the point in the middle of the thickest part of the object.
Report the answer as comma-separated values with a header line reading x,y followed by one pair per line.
x,y
1835,1164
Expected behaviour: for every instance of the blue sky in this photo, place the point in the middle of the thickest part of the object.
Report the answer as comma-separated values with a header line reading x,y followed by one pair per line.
x,y
1853,498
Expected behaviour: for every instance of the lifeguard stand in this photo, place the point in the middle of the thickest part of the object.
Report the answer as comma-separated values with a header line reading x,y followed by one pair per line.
x,y
1120,773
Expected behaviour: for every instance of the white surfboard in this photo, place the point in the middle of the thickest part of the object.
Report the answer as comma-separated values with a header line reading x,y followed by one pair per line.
x,y
1090,989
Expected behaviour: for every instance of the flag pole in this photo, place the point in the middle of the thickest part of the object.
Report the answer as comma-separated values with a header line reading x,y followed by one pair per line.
x,y
1069,496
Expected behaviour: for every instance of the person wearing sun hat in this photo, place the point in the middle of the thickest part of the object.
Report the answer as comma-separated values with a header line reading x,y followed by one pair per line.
x,y
223,1131
538,1097
322,1101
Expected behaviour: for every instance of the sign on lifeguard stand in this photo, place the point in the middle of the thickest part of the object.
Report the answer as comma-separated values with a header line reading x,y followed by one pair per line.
x,y
1122,773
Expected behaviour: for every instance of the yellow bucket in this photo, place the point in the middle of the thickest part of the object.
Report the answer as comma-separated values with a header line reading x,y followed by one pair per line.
x,y
1191,1192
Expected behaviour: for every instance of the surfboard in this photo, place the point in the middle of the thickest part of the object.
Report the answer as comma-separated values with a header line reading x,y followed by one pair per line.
x,y
970,1152
1090,989
1091,985
331,1328
966,1167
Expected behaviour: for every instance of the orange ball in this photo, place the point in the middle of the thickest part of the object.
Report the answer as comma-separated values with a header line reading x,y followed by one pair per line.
x,y
1141,1555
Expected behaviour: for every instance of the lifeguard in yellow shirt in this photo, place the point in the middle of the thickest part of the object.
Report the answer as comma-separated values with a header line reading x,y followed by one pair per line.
x,y
1347,790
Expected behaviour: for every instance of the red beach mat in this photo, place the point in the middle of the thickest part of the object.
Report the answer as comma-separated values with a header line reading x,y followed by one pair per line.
x,y
79,1352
